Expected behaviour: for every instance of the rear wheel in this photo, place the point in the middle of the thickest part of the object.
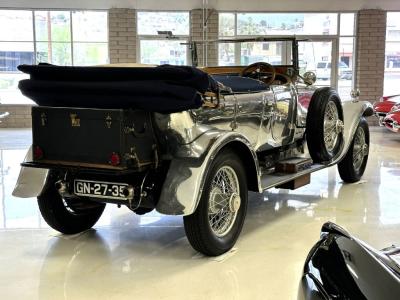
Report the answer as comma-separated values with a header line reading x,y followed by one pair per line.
x,y
218,220
353,165
324,129
68,215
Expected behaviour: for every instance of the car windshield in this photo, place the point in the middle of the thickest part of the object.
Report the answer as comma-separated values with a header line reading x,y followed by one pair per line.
x,y
275,51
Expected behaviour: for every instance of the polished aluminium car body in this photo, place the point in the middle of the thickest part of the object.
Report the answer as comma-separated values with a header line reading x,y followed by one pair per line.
x,y
340,266
258,125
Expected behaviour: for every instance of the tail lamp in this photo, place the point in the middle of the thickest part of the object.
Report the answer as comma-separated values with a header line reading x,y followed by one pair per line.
x,y
37,152
115,159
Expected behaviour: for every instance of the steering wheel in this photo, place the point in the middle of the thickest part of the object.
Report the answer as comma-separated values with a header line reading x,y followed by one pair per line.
x,y
260,70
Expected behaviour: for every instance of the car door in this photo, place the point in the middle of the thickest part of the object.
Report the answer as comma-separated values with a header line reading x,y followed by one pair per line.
x,y
249,114
283,117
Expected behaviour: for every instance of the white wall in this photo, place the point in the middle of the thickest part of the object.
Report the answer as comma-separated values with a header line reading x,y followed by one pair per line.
x,y
239,5
104,4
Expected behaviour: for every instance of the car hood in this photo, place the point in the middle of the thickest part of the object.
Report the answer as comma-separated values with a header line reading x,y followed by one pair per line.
x,y
384,106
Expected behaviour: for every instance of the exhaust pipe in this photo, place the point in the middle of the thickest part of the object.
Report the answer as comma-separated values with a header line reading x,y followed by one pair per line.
x,y
128,192
61,187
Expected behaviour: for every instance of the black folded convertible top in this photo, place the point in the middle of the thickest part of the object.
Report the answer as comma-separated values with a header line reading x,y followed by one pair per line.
x,y
162,89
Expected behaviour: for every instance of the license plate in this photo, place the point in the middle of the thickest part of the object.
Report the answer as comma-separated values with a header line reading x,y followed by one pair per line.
x,y
99,189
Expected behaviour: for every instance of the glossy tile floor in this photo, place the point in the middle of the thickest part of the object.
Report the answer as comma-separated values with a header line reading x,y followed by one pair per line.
x,y
132,257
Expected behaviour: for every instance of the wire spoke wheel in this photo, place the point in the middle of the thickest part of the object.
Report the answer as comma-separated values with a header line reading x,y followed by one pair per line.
x,y
352,166
331,132
215,225
360,148
224,201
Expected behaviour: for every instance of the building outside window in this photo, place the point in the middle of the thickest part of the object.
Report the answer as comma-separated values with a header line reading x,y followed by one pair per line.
x,y
329,40
159,48
56,37
392,54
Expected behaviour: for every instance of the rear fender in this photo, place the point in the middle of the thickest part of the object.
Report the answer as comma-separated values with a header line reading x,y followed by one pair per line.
x,y
183,185
31,181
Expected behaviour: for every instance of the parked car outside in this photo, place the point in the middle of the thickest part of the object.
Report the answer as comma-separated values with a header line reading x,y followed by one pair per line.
x,y
183,140
323,70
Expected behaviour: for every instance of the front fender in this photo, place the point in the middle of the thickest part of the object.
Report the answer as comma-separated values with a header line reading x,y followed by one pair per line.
x,y
352,112
30,181
183,185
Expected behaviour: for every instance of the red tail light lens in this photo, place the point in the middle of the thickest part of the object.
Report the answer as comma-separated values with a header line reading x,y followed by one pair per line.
x,y
114,159
37,152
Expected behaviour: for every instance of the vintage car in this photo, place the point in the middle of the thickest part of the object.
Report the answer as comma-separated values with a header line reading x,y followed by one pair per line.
x,y
340,266
182,140
384,105
392,119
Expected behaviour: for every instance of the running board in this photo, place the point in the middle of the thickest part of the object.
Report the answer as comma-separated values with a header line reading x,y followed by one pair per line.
x,y
277,179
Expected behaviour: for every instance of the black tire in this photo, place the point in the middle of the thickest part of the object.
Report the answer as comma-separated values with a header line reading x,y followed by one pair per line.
x,y
347,171
197,225
317,147
69,216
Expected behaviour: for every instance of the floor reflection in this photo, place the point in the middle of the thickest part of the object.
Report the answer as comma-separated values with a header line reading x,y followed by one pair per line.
x,y
149,257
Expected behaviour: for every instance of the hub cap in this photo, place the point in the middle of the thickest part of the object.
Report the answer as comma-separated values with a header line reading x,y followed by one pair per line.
x,y
333,126
224,201
360,149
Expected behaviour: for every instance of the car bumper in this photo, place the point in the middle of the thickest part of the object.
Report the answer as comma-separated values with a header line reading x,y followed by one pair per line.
x,y
392,125
381,116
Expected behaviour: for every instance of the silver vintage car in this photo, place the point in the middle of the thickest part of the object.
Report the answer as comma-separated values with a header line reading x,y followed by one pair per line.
x,y
182,140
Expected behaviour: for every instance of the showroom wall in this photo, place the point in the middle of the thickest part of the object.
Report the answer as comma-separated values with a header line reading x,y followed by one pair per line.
x,y
122,35
370,67
123,38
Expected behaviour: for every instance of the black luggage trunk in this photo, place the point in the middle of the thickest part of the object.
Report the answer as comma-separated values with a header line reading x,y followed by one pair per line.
x,y
94,138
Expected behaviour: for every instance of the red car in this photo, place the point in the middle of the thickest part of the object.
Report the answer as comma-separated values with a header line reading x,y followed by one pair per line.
x,y
392,119
384,105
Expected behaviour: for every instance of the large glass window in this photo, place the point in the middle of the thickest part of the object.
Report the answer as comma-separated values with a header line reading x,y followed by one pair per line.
x,y
90,38
392,54
57,37
16,47
151,22
286,23
161,52
330,41
346,61
154,47
226,24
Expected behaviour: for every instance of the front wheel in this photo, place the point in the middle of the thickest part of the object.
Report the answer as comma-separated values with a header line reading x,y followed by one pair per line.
x,y
218,220
353,165
68,215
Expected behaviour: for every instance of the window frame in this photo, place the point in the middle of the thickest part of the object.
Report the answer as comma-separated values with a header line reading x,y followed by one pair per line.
x,y
396,42
180,37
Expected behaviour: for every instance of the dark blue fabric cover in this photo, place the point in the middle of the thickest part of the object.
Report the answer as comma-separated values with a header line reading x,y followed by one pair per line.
x,y
162,89
240,84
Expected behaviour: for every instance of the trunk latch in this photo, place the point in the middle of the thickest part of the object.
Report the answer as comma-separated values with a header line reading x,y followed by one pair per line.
x,y
108,121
